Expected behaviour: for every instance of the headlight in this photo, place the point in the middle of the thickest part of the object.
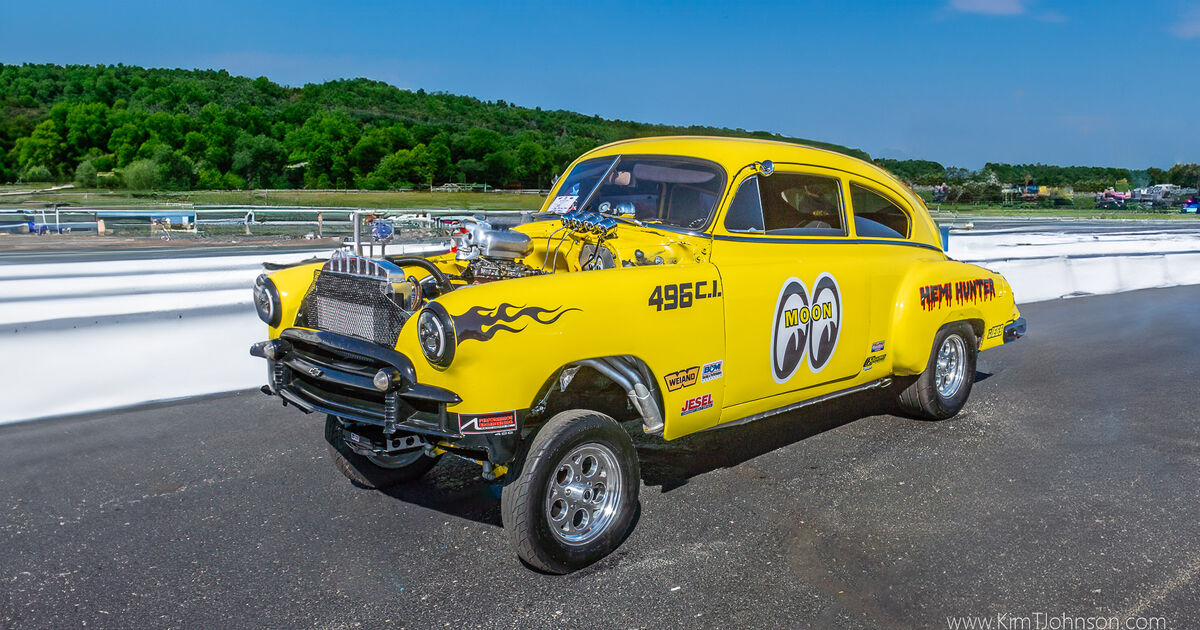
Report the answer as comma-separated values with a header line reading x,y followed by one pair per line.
x,y
435,332
266,301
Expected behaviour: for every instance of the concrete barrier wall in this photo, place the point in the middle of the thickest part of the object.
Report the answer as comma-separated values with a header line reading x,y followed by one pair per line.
x,y
86,336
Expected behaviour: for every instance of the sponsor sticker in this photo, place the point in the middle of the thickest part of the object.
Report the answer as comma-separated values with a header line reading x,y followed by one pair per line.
x,y
699,403
995,331
563,204
877,346
935,296
478,423
711,371
806,325
682,378
872,360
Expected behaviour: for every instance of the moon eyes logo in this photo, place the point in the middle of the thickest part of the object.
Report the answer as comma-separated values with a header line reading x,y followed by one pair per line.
x,y
805,325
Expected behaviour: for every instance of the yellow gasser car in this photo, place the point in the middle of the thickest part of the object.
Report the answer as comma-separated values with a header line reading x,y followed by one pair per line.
x,y
684,283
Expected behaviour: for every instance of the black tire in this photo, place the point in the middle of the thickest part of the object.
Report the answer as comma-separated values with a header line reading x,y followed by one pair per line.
x,y
523,503
922,399
362,471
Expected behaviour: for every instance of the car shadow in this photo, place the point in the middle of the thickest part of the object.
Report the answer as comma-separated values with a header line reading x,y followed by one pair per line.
x,y
454,487
671,464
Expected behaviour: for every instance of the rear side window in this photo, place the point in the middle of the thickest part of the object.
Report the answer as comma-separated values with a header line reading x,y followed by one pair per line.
x,y
876,216
788,204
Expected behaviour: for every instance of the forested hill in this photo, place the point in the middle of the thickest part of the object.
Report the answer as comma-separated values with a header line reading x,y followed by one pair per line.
x,y
181,129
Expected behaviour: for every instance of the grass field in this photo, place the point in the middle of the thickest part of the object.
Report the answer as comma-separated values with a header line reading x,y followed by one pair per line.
x,y
1082,208
316,198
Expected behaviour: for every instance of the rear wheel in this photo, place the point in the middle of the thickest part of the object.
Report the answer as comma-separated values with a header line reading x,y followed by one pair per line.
x,y
943,388
373,471
574,499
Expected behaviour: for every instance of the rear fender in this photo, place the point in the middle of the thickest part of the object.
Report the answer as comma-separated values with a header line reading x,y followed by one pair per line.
x,y
939,293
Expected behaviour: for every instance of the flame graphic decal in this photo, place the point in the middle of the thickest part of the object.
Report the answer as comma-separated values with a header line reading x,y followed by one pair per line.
x,y
483,323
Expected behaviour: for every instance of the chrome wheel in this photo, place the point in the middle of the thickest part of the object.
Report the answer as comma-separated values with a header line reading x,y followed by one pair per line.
x,y
951,369
583,494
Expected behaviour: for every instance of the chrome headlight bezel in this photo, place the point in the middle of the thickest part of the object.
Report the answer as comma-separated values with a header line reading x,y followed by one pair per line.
x,y
267,301
436,336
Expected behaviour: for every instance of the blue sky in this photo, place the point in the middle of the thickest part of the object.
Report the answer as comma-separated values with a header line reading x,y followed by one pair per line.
x,y
962,82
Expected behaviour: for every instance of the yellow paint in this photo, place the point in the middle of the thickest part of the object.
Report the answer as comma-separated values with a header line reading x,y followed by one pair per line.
x,y
608,312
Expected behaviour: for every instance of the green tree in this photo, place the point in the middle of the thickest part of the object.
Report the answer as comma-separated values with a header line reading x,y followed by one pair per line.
x,y
85,175
259,161
140,175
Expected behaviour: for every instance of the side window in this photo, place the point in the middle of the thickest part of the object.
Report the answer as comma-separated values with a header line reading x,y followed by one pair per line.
x,y
875,216
787,204
802,204
745,212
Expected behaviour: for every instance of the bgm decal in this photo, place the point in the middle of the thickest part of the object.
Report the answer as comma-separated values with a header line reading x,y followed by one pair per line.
x,y
699,403
476,423
712,371
805,326
682,378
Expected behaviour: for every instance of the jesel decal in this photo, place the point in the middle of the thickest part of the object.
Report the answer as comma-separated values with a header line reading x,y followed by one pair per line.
x,y
805,326
699,403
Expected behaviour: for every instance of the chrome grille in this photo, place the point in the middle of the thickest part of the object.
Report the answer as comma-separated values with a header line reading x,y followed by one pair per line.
x,y
352,305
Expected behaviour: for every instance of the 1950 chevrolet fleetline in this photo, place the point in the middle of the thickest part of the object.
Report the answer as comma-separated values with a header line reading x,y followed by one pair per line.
x,y
682,283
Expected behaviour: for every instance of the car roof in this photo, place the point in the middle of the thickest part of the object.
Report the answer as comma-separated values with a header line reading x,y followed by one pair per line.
x,y
735,153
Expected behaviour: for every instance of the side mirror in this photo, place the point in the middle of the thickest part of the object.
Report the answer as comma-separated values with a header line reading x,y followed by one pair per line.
x,y
765,167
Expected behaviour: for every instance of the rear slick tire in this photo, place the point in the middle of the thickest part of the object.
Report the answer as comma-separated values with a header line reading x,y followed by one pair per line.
x,y
943,388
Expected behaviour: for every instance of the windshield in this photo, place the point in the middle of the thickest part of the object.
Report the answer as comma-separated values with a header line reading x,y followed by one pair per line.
x,y
675,191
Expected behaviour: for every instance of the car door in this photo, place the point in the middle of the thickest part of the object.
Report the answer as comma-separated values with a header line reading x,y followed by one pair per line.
x,y
796,295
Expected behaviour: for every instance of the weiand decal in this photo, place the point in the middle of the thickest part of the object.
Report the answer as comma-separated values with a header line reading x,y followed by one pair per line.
x,y
668,297
502,422
699,403
682,378
805,325
712,371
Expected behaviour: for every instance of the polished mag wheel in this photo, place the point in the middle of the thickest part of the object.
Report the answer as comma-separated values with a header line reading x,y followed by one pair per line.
x,y
951,367
583,494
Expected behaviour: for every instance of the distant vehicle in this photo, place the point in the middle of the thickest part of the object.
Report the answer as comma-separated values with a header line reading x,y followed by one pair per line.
x,y
1111,199
1191,205
1158,195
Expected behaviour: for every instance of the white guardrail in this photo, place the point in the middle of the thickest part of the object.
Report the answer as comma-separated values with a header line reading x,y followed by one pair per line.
x,y
87,336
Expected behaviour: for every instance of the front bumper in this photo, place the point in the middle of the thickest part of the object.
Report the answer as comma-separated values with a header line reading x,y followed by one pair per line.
x,y
1014,330
331,373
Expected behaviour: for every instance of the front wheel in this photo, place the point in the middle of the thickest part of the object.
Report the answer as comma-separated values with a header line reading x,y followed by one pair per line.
x,y
942,389
574,499
373,472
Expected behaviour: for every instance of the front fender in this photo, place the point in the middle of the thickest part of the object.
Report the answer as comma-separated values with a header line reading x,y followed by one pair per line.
x,y
513,335
938,293
292,283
